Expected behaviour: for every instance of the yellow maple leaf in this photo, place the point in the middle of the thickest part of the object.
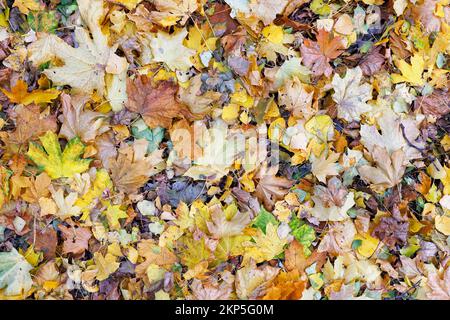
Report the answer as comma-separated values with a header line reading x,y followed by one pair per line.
x,y
55,163
411,73
19,94
113,214
169,48
25,6
106,265
265,246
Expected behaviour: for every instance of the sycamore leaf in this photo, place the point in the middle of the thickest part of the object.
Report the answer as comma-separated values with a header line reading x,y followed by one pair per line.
x,y
169,48
85,124
113,214
351,96
156,104
411,73
393,133
65,204
389,170
324,166
317,55
192,96
221,226
30,124
133,168
220,148
251,282
169,12
297,97
102,182
286,286
266,246
55,163
154,254
270,188
19,94
15,276
106,265
84,67
75,239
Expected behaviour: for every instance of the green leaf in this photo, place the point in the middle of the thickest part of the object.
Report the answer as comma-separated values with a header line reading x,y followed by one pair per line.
x,y
140,130
356,244
263,218
303,233
43,21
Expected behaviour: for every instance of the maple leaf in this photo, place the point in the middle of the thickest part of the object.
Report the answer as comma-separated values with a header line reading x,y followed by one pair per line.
x,y
75,238
25,6
351,96
220,148
106,265
317,55
64,206
30,124
411,73
169,48
270,188
84,67
297,97
55,163
389,170
76,122
192,96
171,11
154,254
266,246
102,182
19,94
133,168
324,166
395,134
15,276
209,291
113,214
156,104
221,227
440,288
252,282
338,239
286,286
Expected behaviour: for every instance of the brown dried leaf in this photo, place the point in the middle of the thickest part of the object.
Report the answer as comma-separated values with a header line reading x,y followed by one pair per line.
x,y
156,104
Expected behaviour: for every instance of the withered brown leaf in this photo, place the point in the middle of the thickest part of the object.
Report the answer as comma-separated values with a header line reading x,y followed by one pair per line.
x,y
155,103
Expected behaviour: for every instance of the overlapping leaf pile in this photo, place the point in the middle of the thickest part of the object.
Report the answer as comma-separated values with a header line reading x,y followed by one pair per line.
x,y
235,149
